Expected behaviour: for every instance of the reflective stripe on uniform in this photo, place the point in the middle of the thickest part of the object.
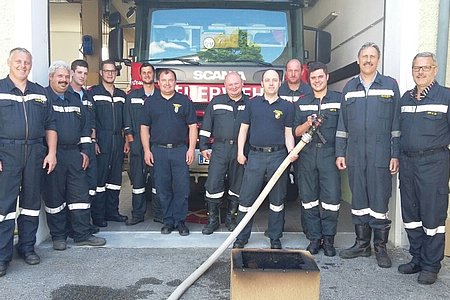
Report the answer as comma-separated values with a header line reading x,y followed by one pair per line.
x,y
308,107
29,212
276,208
380,92
139,191
102,98
309,205
368,211
290,98
341,134
113,187
243,208
101,189
74,206
396,133
55,210
355,94
66,109
413,225
29,97
434,231
153,191
205,133
85,139
332,207
222,106
92,192
9,216
119,99
137,101
214,196
425,108
330,106
231,193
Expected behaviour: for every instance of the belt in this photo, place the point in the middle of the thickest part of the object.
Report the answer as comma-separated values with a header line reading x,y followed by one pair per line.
x,y
226,141
424,152
22,142
168,146
268,149
68,147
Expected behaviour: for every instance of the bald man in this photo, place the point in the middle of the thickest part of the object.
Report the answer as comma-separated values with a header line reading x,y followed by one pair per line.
x,y
222,120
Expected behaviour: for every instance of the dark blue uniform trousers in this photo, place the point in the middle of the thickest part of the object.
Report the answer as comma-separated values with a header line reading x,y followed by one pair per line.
x,y
319,189
223,164
172,182
109,180
424,192
65,193
21,176
260,165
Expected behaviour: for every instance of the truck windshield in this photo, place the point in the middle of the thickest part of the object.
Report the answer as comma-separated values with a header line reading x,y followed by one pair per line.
x,y
224,36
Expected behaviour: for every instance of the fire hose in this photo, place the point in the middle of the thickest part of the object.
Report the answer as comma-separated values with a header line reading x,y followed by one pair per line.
x,y
306,138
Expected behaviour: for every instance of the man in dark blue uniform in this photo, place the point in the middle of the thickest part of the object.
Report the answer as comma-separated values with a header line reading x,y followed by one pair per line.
x,y
367,144
319,183
26,118
65,190
170,116
293,89
269,119
424,168
108,134
222,121
139,172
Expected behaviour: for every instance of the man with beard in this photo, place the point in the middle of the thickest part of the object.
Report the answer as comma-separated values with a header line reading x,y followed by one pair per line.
x,y
424,168
26,118
134,107
367,145
66,191
269,120
109,148
222,121
168,121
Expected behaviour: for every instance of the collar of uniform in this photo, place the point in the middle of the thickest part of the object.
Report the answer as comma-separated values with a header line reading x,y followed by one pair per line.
x,y
105,91
239,101
424,93
54,97
376,79
277,100
11,86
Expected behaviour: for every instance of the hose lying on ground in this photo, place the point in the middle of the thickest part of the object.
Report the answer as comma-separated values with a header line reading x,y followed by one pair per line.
x,y
306,138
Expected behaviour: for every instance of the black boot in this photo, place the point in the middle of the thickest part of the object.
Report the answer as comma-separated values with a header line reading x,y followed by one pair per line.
x,y
230,219
328,245
213,218
380,239
362,243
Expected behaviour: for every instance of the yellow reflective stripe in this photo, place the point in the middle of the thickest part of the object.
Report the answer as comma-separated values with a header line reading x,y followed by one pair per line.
x,y
276,208
309,205
79,206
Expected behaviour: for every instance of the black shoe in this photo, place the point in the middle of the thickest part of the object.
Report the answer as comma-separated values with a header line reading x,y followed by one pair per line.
x,y
92,240
117,218
134,221
239,244
275,244
314,246
182,229
409,268
3,268
59,245
100,223
426,277
328,245
30,258
167,229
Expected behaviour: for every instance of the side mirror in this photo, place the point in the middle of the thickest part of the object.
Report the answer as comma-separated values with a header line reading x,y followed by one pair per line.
x,y
115,45
323,46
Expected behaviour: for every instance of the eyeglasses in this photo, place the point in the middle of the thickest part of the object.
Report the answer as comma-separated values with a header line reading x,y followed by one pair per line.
x,y
109,71
423,68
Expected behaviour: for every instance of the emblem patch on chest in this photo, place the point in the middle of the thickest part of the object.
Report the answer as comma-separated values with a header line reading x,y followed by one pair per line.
x,y
176,107
278,113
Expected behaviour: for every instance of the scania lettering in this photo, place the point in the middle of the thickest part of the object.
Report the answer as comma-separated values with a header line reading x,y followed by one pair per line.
x,y
202,41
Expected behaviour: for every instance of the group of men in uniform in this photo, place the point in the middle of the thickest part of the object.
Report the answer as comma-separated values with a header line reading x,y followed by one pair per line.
x,y
370,131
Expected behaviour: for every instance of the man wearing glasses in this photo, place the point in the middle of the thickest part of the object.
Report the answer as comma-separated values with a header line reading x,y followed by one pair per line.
x,y
108,136
424,164
367,145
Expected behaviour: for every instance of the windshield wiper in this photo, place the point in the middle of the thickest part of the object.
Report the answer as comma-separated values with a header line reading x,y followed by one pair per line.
x,y
182,59
258,62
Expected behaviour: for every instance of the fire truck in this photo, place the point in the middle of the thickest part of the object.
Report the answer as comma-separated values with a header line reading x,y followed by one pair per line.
x,y
201,41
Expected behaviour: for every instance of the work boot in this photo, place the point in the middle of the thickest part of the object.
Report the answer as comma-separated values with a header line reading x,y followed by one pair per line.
x,y
30,258
426,277
328,245
59,245
230,219
380,239
314,246
213,218
409,268
362,243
